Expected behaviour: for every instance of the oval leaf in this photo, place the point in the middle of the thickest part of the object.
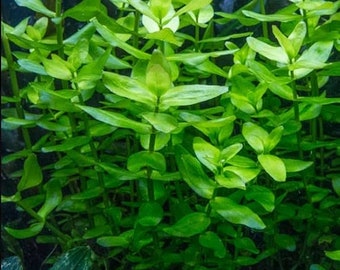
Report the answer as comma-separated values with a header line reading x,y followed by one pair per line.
x,y
274,166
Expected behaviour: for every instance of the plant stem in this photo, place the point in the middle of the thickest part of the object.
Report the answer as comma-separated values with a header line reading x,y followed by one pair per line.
x,y
15,86
264,24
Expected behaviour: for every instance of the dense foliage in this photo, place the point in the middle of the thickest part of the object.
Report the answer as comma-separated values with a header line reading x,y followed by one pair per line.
x,y
171,135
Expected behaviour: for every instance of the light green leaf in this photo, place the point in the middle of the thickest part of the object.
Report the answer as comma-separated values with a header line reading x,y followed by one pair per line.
x,y
273,139
192,5
129,88
207,154
273,53
150,214
184,95
31,231
189,225
83,11
274,166
255,135
271,17
32,66
297,37
32,175
53,198
318,52
116,119
114,41
160,8
284,42
165,34
236,213
193,174
37,6
143,159
333,255
281,90
161,121
230,180
67,144
295,165
230,151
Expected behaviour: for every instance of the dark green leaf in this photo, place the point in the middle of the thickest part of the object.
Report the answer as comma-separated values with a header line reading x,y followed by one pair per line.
x,y
78,258
112,241
31,231
262,195
89,193
150,214
144,159
53,198
67,144
246,243
212,241
285,241
189,225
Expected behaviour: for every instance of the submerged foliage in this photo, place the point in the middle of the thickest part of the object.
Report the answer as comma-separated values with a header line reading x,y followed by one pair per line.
x,y
172,135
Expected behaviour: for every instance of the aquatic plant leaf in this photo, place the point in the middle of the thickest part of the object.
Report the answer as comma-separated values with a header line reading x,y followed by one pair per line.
x,y
189,225
37,6
236,213
112,241
161,121
78,258
295,165
11,263
144,159
67,144
32,175
207,154
32,230
274,166
264,196
212,241
150,214
255,136
53,198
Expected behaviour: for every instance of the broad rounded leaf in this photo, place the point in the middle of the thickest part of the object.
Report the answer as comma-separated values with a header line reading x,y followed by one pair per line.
x,y
333,255
207,154
274,166
189,225
236,213
264,196
143,159
150,214
255,136
285,241
161,121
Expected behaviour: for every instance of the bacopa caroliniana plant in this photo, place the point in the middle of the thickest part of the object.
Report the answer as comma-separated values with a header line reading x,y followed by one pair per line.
x,y
155,136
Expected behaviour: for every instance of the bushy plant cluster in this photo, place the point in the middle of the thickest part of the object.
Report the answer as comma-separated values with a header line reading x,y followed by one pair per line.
x,y
172,134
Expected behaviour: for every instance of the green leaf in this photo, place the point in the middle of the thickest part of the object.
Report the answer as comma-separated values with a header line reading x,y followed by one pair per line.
x,y
274,166
295,165
273,53
230,151
189,225
264,196
114,41
212,241
207,154
245,243
273,139
116,119
56,101
184,95
58,68
235,213
129,88
318,52
67,144
112,241
78,258
161,121
255,136
11,263
150,214
285,241
281,90
32,175
31,231
297,37
192,5
53,198
284,42
272,17
165,34
230,180
84,11
160,8
32,66
333,255
37,6
316,267
193,173
144,159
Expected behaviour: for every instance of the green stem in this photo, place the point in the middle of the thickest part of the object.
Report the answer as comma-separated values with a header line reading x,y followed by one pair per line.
x,y
264,24
15,86
314,121
65,238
